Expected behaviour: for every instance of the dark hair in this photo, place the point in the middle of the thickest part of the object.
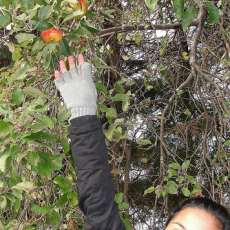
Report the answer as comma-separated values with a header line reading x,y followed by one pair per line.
x,y
215,209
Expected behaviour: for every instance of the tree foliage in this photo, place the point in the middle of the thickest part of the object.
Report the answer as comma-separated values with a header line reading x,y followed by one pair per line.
x,y
162,72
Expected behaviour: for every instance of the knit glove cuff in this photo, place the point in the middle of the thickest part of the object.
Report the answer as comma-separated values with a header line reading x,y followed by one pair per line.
x,y
78,91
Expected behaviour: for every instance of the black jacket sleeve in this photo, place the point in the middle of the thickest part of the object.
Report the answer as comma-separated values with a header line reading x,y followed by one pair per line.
x,y
94,179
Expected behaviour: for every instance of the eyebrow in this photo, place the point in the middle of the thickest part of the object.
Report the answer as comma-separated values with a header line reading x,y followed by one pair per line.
x,y
182,226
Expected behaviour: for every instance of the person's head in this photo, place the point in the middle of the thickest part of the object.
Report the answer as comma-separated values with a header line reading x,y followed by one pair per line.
x,y
199,214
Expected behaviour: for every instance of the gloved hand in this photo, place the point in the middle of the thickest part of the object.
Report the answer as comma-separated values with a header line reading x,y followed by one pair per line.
x,y
77,88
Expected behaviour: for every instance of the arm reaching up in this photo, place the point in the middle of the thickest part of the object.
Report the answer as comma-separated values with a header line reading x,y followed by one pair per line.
x,y
88,147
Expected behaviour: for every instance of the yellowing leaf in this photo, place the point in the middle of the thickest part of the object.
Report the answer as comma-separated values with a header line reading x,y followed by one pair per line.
x,y
11,46
185,55
144,160
125,57
138,41
116,171
161,51
24,186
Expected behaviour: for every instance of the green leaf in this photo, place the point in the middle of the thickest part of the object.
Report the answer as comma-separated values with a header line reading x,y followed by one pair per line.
x,y
26,186
17,96
227,142
62,200
80,31
188,17
28,228
149,190
196,188
44,170
41,2
151,4
144,142
54,63
185,191
147,25
126,223
171,190
179,92
225,76
6,2
120,97
3,202
180,179
65,48
123,206
111,112
119,198
3,158
20,73
100,87
55,218
39,135
5,103
51,161
45,120
44,13
191,179
5,127
16,55
160,118
5,19
57,5
223,153
41,210
89,27
178,8
130,83
40,25
172,183
35,92
73,199
63,184
174,165
90,14
33,158
63,114
187,112
26,5
185,165
213,12
65,145
125,105
22,37
74,14
17,205
171,172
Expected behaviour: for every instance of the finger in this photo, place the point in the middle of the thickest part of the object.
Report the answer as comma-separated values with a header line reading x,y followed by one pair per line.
x,y
80,59
57,74
71,62
62,66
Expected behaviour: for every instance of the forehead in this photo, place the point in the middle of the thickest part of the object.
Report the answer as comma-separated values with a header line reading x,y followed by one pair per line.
x,y
193,218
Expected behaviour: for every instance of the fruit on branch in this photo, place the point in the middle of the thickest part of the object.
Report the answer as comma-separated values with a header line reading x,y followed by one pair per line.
x,y
80,5
52,35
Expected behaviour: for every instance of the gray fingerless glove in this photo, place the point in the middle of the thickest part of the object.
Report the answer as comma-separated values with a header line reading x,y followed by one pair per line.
x,y
78,91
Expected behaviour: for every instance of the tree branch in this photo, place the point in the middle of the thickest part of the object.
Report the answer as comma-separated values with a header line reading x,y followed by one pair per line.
x,y
201,19
127,28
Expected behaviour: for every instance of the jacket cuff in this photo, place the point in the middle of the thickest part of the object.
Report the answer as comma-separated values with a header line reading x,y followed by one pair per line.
x,y
83,120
